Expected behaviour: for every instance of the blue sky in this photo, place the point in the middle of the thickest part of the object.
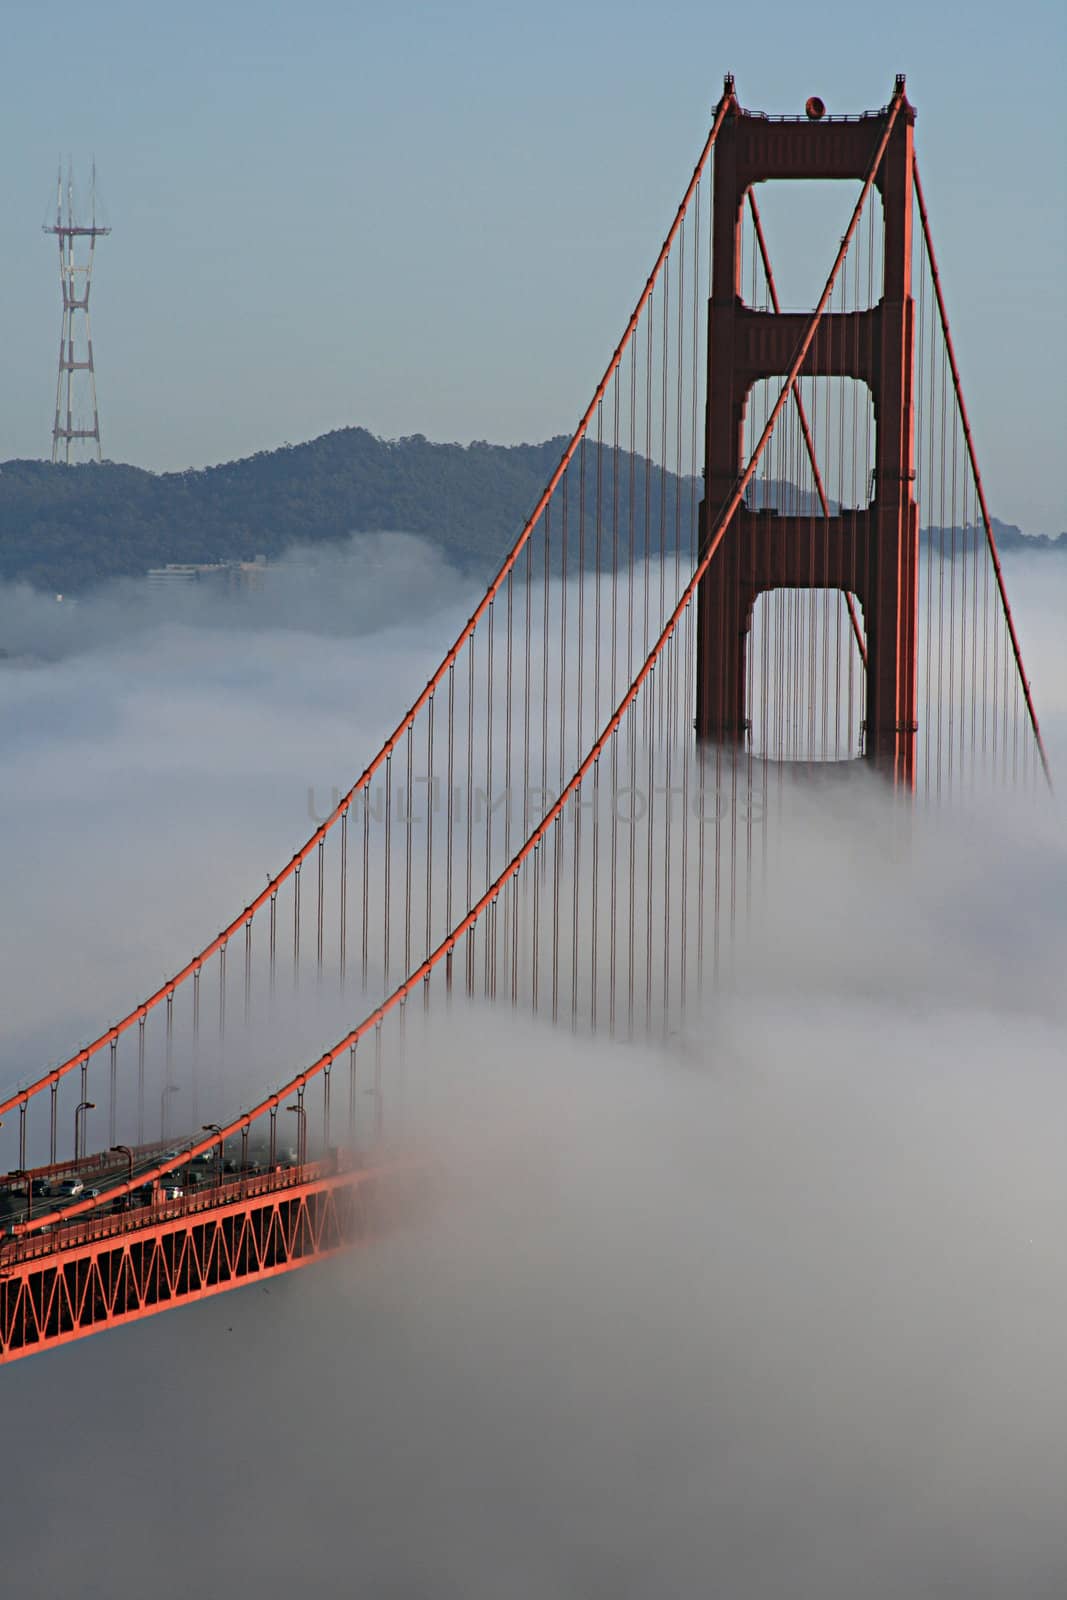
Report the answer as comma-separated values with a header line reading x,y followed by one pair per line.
x,y
435,218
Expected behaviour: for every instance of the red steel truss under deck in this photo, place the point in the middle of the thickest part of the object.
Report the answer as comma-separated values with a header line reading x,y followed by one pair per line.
x,y
65,1283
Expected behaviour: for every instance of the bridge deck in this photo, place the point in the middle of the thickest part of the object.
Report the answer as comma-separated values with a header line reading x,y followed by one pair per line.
x,y
75,1279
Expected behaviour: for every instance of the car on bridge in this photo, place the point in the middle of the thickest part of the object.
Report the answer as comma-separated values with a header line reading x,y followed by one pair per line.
x,y
70,1188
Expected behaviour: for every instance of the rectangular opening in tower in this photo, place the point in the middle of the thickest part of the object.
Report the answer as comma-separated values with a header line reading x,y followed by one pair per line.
x,y
802,222
821,456
804,676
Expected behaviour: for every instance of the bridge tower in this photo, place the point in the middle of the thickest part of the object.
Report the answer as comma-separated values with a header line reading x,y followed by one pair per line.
x,y
871,553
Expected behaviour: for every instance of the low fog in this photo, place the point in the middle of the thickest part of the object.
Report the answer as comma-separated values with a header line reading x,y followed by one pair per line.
x,y
774,1305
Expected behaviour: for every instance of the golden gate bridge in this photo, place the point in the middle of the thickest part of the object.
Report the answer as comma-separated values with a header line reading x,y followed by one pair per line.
x,y
722,588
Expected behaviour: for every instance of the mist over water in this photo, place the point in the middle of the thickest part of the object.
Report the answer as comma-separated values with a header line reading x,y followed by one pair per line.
x,y
773,1305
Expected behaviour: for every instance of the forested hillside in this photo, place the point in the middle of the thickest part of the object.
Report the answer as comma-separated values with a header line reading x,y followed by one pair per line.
x,y
67,528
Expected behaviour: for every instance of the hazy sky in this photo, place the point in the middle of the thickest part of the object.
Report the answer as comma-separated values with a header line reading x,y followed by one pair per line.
x,y
435,218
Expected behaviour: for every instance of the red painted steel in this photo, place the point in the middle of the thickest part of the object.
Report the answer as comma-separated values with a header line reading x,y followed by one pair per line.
x,y
873,554
97,1274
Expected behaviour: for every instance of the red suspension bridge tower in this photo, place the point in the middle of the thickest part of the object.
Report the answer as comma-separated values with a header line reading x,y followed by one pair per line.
x,y
870,553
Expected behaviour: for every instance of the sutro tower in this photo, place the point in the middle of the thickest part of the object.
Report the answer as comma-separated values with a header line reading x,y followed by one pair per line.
x,y
74,356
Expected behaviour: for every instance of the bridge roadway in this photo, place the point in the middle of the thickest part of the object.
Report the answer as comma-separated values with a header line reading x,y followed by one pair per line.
x,y
71,1279
45,1184
105,1171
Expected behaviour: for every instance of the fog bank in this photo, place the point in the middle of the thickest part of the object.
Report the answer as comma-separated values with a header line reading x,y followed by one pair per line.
x,y
773,1306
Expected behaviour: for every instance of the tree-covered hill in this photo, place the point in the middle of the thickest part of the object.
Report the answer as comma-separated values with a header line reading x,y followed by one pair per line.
x,y
67,528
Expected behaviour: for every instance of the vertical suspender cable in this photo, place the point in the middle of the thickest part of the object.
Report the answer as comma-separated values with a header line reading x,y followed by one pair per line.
x,y
112,1100
469,953
450,780
140,1077
409,840
343,929
491,920
319,907
431,793
296,925
365,929
387,865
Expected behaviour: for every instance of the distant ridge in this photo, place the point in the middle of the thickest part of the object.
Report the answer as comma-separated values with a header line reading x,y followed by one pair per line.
x,y
68,528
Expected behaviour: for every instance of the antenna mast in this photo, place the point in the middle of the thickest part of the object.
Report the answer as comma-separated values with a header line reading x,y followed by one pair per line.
x,y
75,281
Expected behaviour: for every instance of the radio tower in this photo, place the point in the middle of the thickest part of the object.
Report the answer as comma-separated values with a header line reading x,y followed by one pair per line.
x,y
72,278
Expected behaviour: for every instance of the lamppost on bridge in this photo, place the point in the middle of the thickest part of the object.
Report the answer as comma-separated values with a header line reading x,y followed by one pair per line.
x,y
124,1150
213,1127
79,1119
301,1138
168,1088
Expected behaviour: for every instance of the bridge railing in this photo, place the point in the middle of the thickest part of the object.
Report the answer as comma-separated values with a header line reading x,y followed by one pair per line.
x,y
97,1227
